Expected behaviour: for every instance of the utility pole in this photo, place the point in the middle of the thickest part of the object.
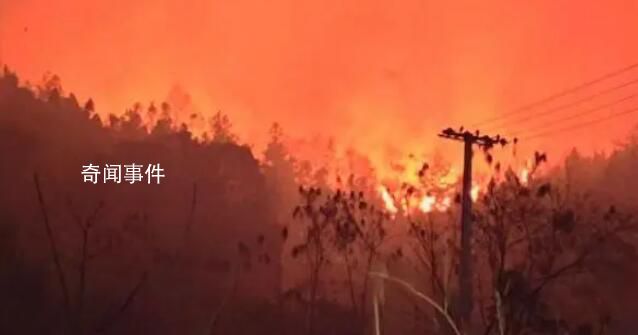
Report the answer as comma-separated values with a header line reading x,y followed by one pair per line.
x,y
465,298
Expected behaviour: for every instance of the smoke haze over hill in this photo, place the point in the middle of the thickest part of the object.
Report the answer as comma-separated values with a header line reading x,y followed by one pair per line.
x,y
376,77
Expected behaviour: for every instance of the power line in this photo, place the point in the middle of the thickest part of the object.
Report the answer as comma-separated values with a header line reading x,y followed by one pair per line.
x,y
567,105
580,125
574,116
563,93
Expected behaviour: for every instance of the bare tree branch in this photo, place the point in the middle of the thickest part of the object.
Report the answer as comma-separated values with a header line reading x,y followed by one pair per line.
x,y
230,293
54,253
106,325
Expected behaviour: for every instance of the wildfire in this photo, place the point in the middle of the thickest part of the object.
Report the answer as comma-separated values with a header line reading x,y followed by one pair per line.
x,y
445,204
432,202
474,192
427,203
524,176
388,200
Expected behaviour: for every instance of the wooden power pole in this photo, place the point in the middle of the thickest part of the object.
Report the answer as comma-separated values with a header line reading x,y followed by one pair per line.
x,y
465,298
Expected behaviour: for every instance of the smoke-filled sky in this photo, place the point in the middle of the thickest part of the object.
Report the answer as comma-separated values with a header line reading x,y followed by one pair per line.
x,y
377,75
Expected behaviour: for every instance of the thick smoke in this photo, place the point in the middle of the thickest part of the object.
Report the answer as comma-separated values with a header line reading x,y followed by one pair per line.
x,y
380,78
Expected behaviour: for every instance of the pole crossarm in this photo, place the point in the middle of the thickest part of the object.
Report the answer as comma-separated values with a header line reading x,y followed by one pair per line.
x,y
483,141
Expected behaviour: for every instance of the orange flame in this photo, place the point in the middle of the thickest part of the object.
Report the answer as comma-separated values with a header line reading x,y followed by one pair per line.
x,y
427,203
388,200
440,202
475,192
445,204
524,176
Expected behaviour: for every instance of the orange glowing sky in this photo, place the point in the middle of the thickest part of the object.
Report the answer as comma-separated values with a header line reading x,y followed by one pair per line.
x,y
380,76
